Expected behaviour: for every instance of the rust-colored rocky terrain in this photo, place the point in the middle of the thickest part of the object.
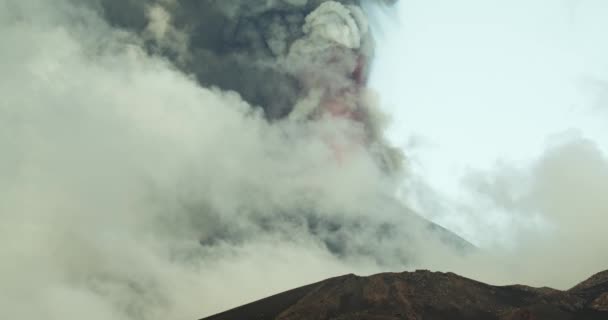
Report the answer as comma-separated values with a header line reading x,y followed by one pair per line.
x,y
425,295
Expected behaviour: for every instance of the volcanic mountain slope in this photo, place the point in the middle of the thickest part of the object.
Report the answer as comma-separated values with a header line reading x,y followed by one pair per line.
x,y
429,296
392,235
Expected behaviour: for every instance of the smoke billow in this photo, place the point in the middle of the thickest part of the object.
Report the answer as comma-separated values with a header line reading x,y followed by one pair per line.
x,y
165,159
556,210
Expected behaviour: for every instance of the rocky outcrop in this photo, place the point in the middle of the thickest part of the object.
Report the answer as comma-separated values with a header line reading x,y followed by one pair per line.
x,y
594,291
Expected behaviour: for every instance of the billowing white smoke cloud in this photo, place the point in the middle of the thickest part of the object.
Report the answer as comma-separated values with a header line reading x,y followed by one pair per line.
x,y
543,224
556,211
104,147
110,159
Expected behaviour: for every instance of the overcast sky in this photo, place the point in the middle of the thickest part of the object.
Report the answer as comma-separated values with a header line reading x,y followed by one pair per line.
x,y
474,83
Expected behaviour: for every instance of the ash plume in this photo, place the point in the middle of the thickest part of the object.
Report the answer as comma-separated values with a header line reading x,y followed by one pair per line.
x,y
292,59
157,154
302,63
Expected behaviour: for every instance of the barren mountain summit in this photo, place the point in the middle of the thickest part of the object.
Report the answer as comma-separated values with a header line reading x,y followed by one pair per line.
x,y
427,295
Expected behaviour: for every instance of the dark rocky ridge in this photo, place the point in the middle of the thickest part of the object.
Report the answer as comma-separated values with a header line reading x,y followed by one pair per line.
x,y
429,296
594,290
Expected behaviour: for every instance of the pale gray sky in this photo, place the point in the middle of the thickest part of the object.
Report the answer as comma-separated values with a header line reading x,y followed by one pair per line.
x,y
474,82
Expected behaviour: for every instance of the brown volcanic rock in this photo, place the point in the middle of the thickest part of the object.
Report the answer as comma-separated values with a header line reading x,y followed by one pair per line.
x,y
594,291
425,295
601,303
